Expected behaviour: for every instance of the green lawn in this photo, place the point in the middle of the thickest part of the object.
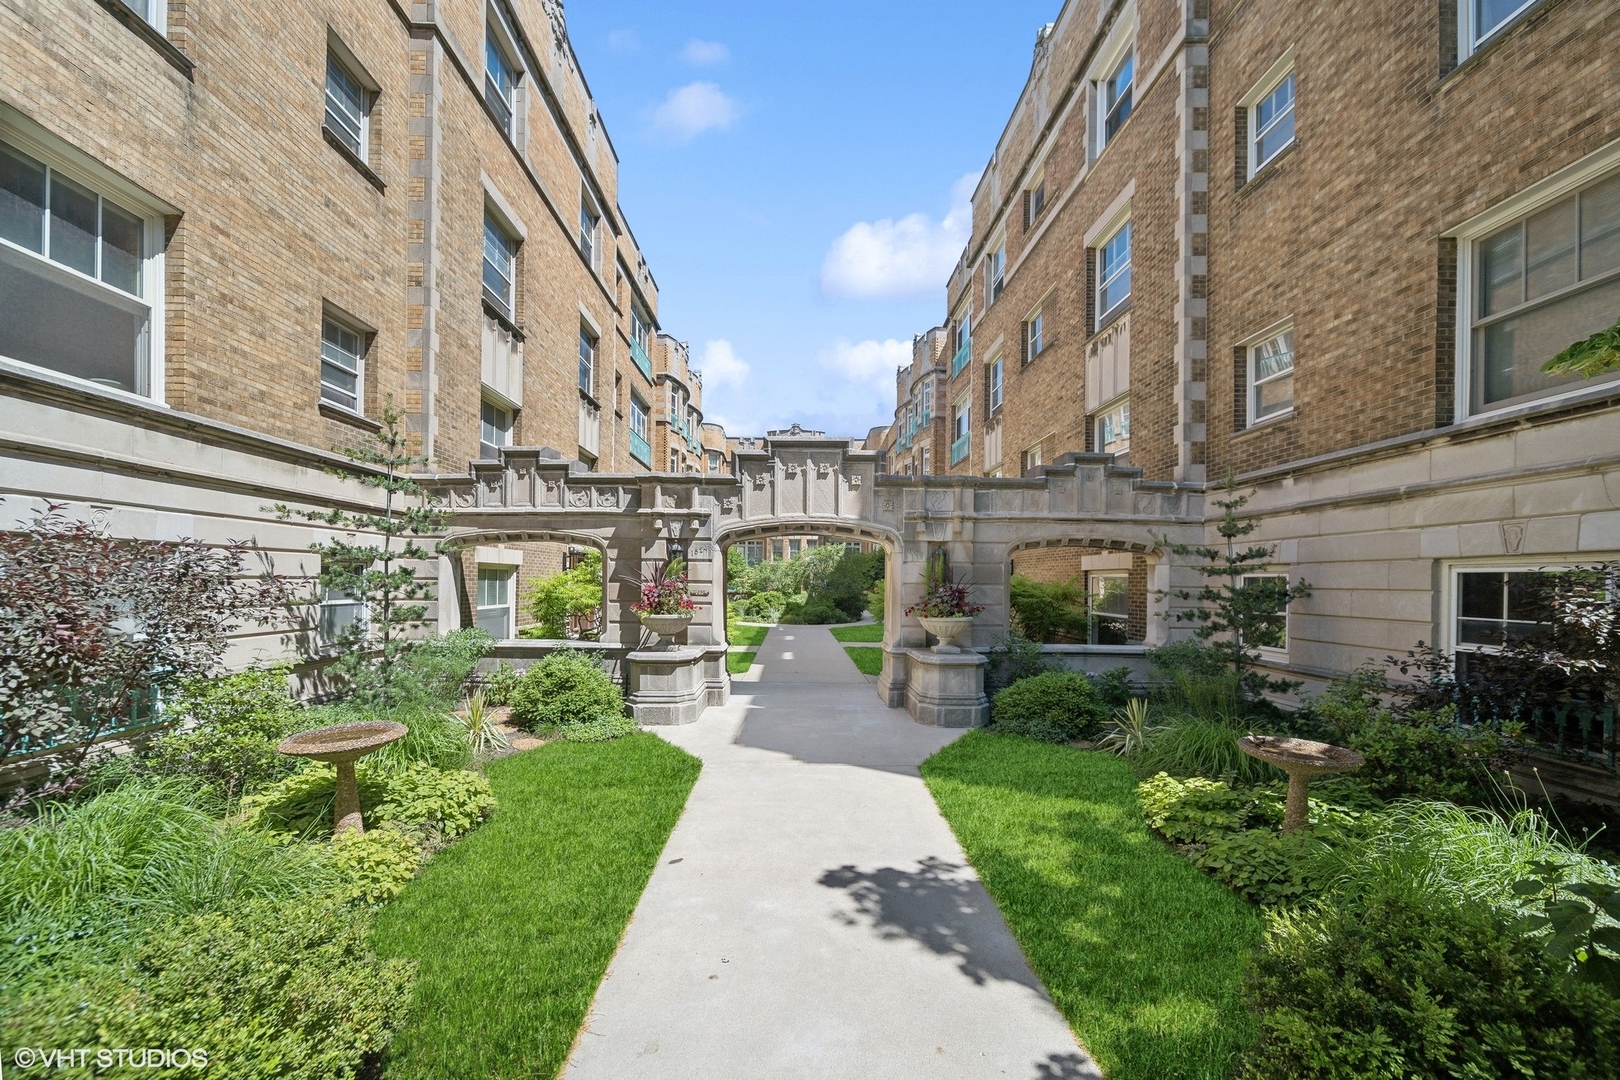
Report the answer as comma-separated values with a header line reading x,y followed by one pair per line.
x,y
1142,952
868,659
750,635
865,632
738,663
514,926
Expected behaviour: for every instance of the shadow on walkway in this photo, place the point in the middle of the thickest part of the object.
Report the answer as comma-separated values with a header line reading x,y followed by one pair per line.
x,y
948,914
1067,1067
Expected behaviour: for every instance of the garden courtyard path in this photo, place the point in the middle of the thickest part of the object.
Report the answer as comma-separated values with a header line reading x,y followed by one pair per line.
x,y
812,914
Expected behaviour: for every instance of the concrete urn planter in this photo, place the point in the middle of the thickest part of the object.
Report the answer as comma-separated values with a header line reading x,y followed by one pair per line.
x,y
947,629
666,626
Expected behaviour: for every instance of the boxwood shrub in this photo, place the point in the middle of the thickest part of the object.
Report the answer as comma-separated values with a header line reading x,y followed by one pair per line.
x,y
566,687
1057,706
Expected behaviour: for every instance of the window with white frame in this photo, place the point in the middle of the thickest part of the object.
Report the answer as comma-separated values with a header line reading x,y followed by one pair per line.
x,y
753,552
1116,97
964,330
1113,273
341,617
995,274
589,228
994,387
1479,20
1030,459
640,327
495,601
927,402
1109,604
1271,122
961,417
1495,606
1034,335
500,264
501,71
343,352
1541,283
152,12
1271,376
1034,200
587,360
1114,428
77,280
495,429
1271,633
348,106
793,548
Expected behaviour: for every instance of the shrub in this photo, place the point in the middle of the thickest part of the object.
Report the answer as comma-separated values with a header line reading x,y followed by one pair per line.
x,y
812,614
875,600
1190,746
1049,612
228,728
1427,756
1391,985
284,989
436,671
575,594
567,686
1013,659
1189,657
604,729
1114,687
420,798
375,865
762,607
500,684
1057,706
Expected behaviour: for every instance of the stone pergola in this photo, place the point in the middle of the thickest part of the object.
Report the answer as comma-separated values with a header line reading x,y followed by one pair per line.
x,y
802,484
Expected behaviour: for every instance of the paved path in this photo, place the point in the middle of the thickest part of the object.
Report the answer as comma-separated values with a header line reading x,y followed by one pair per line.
x,y
812,915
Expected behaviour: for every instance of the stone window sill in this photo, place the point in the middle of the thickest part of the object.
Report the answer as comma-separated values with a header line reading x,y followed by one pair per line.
x,y
346,416
353,159
149,34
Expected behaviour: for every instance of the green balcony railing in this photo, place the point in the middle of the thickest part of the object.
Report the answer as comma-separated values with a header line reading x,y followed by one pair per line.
x,y
640,450
959,448
639,355
960,360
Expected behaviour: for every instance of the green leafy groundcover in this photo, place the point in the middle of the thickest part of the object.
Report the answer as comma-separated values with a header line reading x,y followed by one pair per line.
x,y
1143,954
513,927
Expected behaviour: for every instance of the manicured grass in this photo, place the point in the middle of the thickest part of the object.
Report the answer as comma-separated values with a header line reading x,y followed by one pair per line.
x,y
868,659
864,632
746,634
1142,953
514,925
738,663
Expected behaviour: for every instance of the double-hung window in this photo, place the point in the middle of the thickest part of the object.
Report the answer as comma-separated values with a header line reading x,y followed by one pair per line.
x,y
1271,631
343,351
640,448
589,223
995,274
348,106
1114,273
495,429
994,387
76,284
1116,97
495,601
1497,606
1034,335
1114,428
1271,123
342,617
1109,604
1271,377
1542,283
501,73
587,361
152,12
1479,20
500,265
1034,201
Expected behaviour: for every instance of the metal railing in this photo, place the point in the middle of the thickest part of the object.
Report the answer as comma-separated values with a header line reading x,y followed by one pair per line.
x,y
639,355
640,449
960,360
959,448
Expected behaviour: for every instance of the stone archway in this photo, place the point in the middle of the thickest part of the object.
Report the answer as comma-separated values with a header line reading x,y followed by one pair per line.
x,y
807,484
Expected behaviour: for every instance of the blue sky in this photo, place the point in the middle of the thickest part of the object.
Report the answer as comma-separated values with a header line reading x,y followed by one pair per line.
x,y
797,176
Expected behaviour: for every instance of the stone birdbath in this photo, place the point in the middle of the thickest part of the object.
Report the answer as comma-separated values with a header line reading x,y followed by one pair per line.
x,y
343,745
1301,759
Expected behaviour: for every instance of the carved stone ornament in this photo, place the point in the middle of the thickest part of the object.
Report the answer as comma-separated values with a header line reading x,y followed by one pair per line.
x,y
607,497
579,497
461,497
854,480
729,506
760,480
101,521
791,470
1513,537
700,550
823,470
939,500
888,505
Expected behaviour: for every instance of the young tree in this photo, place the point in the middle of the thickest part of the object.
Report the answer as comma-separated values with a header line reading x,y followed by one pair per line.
x,y
378,572
1236,616
93,628
569,603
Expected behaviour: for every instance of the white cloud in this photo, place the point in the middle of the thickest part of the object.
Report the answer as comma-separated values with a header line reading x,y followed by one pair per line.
x,y
624,40
704,53
693,109
869,363
721,366
901,258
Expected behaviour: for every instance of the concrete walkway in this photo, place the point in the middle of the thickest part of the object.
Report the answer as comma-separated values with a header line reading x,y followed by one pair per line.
x,y
812,915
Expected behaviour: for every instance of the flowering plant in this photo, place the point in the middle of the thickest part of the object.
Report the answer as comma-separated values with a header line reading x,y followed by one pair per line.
x,y
946,600
663,593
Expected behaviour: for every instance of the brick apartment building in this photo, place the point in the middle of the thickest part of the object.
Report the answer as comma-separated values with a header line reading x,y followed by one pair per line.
x,y
230,236
1324,247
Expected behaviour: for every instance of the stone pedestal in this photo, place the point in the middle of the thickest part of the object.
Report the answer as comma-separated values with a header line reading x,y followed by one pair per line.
x,y
946,689
666,686
716,679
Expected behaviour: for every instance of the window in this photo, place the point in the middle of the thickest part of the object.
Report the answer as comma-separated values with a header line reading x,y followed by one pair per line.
x,y
152,12
793,548
1504,605
1034,201
1273,630
1547,280
587,360
495,602
1271,123
75,276
348,104
1109,603
776,550
589,220
500,261
640,448
1114,273
496,430
714,461
1034,338
343,351
961,417
1271,377
1479,19
1114,428
964,332
640,327
995,274
927,403
1030,459
1116,97
501,73
994,390
341,617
